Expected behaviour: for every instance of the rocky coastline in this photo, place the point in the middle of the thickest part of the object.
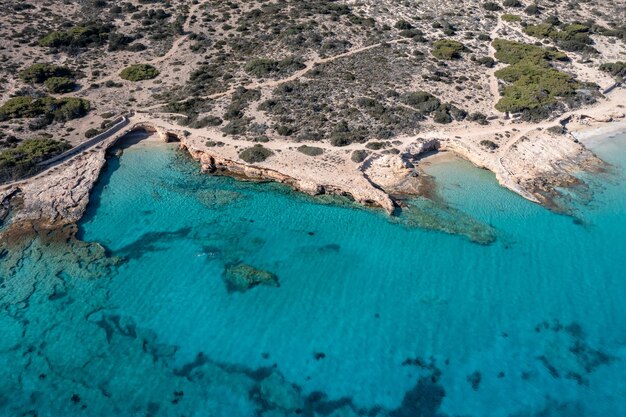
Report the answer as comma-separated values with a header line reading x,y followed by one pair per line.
x,y
536,166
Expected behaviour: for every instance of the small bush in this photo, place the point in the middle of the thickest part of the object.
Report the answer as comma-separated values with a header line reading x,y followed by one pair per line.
x,y
447,49
511,3
90,133
532,10
78,37
255,154
479,118
375,145
511,18
492,146
263,67
616,69
359,156
139,72
486,61
311,150
39,73
491,6
58,85
557,130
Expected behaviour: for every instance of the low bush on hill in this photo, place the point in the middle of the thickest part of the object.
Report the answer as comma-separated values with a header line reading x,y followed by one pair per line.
x,y
617,69
572,38
263,67
511,52
79,36
22,160
58,85
359,156
255,154
311,150
139,72
48,108
533,85
39,73
512,3
511,18
447,49
491,6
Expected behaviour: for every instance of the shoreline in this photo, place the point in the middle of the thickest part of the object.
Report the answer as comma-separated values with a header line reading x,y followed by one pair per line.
x,y
595,134
58,196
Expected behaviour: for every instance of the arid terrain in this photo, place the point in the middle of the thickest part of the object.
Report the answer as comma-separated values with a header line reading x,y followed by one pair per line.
x,y
338,97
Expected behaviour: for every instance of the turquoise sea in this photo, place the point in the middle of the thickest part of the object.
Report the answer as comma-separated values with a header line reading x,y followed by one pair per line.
x,y
372,316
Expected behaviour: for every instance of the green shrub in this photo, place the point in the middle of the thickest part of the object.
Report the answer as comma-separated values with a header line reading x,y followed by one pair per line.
x,y
573,37
491,145
262,67
255,154
447,49
139,72
486,61
375,145
512,3
311,150
491,6
532,10
477,117
39,73
78,37
511,18
90,133
359,156
533,85
57,85
617,69
51,109
511,52
21,161
403,25
70,108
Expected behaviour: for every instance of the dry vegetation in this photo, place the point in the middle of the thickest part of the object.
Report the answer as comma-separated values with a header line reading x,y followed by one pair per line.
x,y
331,71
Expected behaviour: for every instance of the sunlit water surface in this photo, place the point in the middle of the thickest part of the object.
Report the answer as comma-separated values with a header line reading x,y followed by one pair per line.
x,y
371,317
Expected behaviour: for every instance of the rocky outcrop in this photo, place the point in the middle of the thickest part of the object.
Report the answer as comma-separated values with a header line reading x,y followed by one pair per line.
x,y
56,199
242,277
213,162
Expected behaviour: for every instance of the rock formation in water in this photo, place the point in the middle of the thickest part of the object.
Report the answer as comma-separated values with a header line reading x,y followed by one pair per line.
x,y
242,277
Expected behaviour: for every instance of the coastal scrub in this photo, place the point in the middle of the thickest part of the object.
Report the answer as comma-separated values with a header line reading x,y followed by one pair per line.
x,y
447,49
50,108
257,153
21,161
533,85
139,72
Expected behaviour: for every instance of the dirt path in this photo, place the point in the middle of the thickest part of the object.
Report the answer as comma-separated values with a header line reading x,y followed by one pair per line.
x,y
293,77
176,45
493,80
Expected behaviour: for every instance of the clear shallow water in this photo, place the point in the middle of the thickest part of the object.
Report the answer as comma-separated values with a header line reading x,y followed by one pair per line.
x,y
371,317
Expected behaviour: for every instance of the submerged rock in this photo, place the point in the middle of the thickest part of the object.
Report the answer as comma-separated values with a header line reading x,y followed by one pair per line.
x,y
278,393
242,277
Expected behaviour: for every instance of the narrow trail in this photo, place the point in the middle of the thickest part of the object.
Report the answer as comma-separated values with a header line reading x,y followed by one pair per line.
x,y
157,60
493,80
293,77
